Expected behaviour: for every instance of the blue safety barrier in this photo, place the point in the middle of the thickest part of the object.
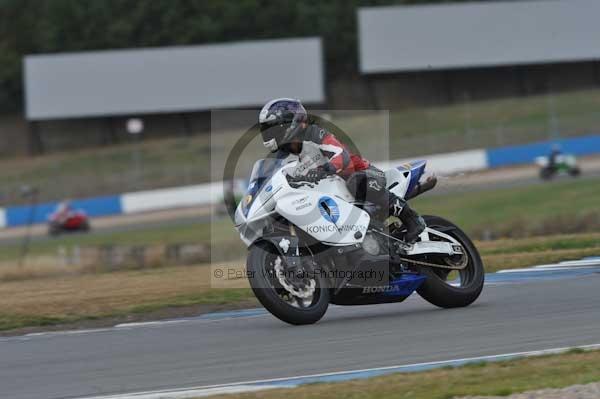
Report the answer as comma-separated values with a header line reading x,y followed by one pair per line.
x,y
98,206
496,157
520,154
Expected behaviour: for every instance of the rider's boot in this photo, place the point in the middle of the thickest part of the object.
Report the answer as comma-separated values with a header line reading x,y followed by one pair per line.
x,y
413,222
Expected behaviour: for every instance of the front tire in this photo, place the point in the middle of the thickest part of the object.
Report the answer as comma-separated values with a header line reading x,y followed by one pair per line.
x,y
437,290
271,294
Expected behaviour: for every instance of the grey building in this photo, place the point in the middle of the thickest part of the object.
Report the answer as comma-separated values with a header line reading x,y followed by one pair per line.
x,y
432,54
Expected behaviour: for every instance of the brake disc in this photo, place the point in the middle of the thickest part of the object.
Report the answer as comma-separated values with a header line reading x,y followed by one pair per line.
x,y
304,293
460,264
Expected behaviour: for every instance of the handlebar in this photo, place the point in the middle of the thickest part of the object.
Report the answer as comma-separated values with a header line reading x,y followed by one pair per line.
x,y
299,179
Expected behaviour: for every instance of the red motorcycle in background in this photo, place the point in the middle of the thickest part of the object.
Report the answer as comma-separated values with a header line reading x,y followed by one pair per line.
x,y
65,219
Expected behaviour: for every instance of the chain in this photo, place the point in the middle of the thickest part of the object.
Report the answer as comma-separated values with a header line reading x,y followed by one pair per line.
x,y
422,263
461,266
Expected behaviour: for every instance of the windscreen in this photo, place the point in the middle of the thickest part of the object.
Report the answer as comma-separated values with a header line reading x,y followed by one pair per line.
x,y
261,173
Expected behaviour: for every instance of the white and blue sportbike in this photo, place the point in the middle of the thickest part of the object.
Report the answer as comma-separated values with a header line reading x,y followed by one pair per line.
x,y
311,244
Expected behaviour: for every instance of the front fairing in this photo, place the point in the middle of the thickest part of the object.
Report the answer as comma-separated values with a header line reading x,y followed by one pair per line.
x,y
323,210
258,202
260,177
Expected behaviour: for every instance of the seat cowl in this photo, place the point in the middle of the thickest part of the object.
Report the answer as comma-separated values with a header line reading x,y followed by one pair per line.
x,y
413,165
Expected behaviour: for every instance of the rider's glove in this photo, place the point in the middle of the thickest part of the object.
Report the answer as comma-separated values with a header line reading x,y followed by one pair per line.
x,y
316,174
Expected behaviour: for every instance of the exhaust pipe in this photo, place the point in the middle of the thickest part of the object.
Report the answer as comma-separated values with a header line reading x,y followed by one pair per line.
x,y
420,188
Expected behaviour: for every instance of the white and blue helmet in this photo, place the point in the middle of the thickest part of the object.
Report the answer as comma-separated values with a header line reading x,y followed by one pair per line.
x,y
280,121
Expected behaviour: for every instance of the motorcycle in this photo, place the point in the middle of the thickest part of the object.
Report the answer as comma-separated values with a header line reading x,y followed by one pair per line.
x,y
73,221
311,244
564,164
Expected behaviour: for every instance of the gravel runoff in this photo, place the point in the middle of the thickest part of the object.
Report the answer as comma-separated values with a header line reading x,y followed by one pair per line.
x,y
588,391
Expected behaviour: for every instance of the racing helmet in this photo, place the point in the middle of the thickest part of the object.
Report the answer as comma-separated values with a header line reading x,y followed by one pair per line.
x,y
281,121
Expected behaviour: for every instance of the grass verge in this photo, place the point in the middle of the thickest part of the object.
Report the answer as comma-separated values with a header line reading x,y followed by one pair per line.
x,y
496,255
489,379
220,232
541,209
525,252
80,298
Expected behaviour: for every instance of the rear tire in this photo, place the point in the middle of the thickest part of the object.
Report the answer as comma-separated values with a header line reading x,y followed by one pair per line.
x,y
259,257
574,172
436,289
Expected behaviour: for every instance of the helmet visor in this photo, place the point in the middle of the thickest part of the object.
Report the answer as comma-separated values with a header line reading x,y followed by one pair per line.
x,y
270,132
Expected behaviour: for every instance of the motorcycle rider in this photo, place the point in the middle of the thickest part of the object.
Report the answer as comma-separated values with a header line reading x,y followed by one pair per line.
x,y
554,154
63,211
285,127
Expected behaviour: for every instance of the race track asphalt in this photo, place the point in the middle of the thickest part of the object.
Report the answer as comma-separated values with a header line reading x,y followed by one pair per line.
x,y
513,314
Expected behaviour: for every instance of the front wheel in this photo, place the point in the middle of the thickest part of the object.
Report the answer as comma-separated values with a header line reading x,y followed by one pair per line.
x,y
452,289
290,299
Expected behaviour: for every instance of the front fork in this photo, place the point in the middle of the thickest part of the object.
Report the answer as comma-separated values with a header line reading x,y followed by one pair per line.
x,y
288,247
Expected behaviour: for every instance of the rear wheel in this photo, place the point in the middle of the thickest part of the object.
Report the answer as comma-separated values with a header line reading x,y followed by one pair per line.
x,y
447,288
292,300
575,171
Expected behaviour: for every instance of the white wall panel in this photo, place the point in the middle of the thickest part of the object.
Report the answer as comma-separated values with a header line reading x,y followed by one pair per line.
x,y
172,79
477,34
177,197
442,164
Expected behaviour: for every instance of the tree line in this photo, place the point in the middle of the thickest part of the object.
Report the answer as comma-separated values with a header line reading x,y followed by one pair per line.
x,y
49,26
